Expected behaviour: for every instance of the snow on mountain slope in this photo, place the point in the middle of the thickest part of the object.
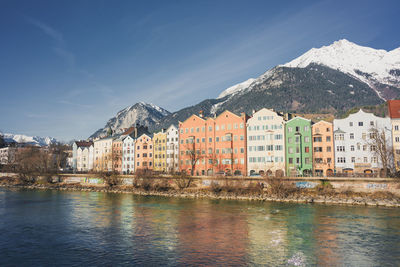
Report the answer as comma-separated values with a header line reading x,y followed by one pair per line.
x,y
367,64
236,88
32,140
141,113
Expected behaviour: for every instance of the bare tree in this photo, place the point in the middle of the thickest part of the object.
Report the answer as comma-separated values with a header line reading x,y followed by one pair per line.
x,y
183,181
380,144
195,155
2,142
31,162
59,153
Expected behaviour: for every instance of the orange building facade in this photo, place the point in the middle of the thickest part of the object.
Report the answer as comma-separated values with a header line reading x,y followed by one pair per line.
x,y
213,145
144,153
323,149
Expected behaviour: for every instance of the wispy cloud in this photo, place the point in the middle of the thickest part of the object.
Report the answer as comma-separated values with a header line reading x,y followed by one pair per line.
x,y
60,45
220,65
36,116
75,104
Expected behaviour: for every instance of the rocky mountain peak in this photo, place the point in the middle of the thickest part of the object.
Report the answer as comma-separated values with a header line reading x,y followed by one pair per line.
x,y
141,113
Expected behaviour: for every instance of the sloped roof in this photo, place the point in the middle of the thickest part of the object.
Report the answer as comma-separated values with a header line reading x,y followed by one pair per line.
x,y
83,143
298,118
339,131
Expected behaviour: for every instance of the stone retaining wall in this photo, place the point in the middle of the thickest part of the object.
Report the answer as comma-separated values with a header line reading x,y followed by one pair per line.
x,y
340,183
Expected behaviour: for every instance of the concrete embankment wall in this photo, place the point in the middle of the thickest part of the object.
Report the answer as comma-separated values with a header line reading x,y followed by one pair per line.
x,y
340,183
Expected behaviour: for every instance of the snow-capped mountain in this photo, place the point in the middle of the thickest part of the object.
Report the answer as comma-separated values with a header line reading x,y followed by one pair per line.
x,y
372,66
141,113
236,88
331,79
31,140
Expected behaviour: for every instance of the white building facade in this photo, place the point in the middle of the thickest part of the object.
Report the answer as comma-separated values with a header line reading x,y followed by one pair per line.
x,y
172,149
103,154
355,151
128,155
83,153
84,158
265,143
394,114
7,155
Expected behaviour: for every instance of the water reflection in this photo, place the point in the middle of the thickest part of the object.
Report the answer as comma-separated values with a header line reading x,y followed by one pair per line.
x,y
210,231
122,229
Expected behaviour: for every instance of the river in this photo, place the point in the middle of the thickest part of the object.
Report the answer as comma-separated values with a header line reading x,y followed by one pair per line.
x,y
56,228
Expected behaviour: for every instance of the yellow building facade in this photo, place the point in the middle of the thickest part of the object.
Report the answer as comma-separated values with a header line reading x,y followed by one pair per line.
x,y
160,151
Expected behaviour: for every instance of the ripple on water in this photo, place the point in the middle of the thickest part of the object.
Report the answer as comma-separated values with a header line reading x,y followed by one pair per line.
x,y
73,228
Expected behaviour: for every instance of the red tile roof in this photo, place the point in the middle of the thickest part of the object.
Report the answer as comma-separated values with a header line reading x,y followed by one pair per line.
x,y
84,143
394,109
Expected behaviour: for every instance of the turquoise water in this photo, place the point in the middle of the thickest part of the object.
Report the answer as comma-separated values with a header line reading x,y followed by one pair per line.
x,y
39,228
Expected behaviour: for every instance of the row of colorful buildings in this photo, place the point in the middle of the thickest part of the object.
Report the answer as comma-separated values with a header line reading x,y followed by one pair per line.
x,y
265,143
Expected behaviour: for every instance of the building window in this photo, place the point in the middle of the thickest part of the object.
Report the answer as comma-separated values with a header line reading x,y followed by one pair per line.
x,y
340,148
351,124
351,135
318,139
364,136
396,127
353,159
341,160
339,137
360,123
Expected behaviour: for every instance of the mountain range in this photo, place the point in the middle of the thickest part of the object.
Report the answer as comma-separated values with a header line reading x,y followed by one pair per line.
x,y
330,79
30,140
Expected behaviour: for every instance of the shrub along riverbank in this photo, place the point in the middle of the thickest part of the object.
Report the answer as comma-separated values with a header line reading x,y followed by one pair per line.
x,y
268,190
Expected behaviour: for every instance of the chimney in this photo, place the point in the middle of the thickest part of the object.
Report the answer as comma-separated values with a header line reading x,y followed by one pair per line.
x,y
201,114
253,111
135,132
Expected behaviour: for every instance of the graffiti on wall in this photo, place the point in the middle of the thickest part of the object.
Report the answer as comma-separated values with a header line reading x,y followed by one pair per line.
x,y
206,182
127,181
72,180
306,184
94,181
377,186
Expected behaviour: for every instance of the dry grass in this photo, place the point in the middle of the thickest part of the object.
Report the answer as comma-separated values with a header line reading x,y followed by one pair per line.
x,y
383,195
279,188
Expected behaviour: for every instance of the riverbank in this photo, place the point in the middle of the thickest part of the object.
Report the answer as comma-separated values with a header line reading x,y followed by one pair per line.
x,y
382,199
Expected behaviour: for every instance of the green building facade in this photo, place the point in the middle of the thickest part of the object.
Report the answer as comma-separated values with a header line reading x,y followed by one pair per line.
x,y
298,147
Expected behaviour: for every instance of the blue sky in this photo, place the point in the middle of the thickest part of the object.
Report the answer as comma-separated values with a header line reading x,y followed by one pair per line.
x,y
66,67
